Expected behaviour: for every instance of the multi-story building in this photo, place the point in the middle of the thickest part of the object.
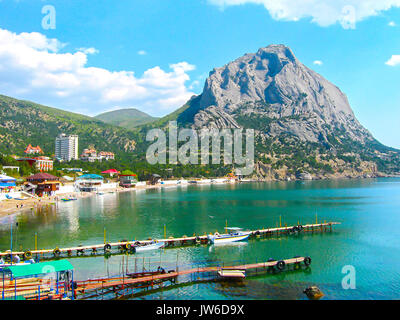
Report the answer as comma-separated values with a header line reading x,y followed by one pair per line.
x,y
107,155
66,147
44,163
91,155
41,163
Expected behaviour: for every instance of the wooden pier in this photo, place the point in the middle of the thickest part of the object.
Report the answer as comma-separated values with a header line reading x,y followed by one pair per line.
x,y
129,246
119,287
139,283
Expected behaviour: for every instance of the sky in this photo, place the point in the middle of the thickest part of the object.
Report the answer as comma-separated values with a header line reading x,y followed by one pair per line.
x,y
95,56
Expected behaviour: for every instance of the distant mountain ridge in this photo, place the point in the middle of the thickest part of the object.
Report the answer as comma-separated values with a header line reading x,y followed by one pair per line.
x,y
24,122
126,118
303,123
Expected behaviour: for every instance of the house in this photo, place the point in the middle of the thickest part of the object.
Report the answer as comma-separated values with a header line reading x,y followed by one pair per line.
x,y
107,155
11,168
127,180
91,155
89,183
33,150
73,169
41,163
42,184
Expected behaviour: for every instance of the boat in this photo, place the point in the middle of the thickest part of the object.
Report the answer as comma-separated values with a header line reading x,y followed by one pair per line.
x,y
234,234
68,199
7,264
154,245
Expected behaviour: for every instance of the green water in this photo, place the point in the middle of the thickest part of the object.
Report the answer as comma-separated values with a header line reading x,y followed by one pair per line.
x,y
368,239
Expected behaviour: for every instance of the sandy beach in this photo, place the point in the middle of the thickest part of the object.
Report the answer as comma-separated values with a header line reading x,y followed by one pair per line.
x,y
14,206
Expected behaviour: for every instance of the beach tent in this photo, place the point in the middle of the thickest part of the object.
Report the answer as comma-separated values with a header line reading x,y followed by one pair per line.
x,y
111,172
6,181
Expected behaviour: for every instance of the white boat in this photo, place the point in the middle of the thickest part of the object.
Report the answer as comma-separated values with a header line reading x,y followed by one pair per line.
x,y
154,245
233,235
6,265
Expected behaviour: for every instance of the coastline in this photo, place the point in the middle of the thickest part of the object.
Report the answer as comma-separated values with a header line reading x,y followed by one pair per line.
x,y
9,208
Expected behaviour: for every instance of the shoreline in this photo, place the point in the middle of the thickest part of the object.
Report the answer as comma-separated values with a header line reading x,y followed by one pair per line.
x,y
8,208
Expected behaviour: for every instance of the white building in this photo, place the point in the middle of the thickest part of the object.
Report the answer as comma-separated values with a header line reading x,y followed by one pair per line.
x,y
67,147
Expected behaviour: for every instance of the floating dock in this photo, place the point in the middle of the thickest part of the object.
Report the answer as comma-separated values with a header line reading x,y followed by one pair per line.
x,y
139,283
125,286
128,246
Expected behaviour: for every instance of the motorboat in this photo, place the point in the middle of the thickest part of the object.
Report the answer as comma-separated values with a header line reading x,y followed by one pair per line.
x,y
153,245
234,234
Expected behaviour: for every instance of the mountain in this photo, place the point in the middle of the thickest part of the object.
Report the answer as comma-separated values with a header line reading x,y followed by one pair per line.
x,y
126,118
304,124
24,122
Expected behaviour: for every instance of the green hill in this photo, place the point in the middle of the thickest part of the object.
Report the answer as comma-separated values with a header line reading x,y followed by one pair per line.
x,y
126,118
24,122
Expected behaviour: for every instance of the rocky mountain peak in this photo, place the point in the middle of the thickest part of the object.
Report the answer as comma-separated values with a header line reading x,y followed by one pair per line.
x,y
273,84
303,123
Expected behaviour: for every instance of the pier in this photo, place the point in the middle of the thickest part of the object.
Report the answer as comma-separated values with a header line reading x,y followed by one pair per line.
x,y
139,283
125,246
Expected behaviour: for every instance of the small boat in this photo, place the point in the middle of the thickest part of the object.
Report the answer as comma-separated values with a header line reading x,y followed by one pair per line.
x,y
68,199
233,235
8,264
154,245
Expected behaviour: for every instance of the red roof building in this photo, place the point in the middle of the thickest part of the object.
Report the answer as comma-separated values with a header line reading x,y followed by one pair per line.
x,y
33,150
41,177
107,155
41,163
44,183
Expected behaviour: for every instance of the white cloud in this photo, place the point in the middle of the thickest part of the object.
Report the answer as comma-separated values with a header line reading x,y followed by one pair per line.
x,y
393,61
32,67
322,12
141,53
392,24
88,50
318,62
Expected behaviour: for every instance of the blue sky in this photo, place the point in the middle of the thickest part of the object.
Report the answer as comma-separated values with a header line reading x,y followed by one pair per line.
x,y
154,54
